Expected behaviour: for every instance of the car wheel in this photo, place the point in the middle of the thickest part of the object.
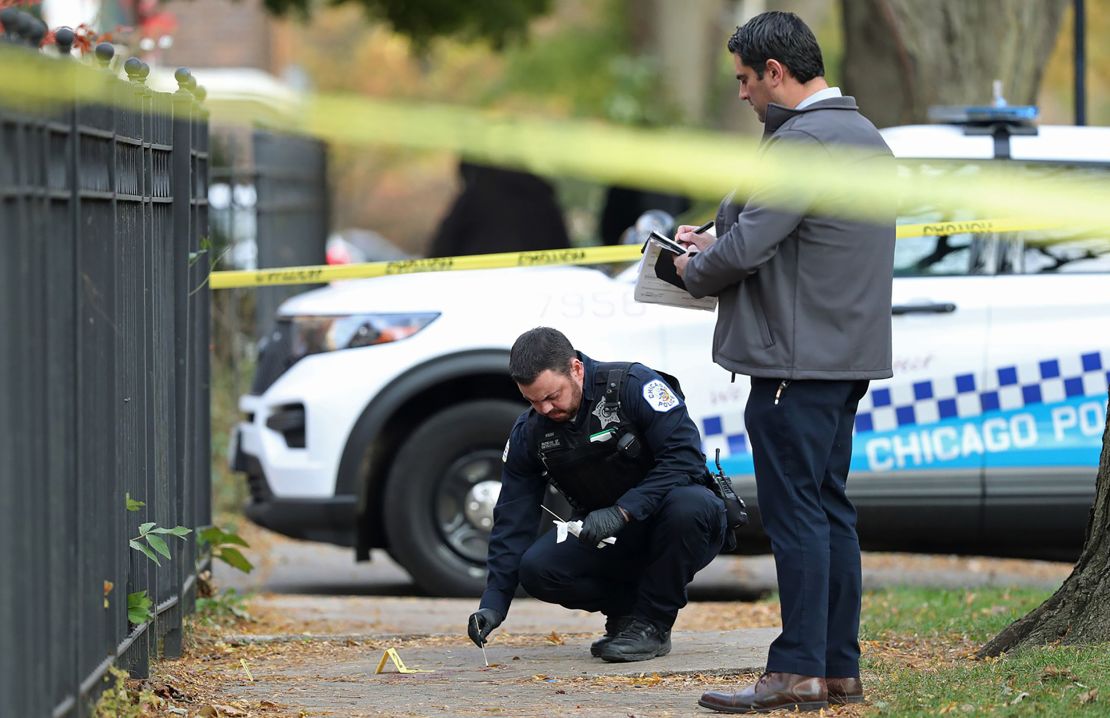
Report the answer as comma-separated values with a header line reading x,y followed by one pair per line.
x,y
439,498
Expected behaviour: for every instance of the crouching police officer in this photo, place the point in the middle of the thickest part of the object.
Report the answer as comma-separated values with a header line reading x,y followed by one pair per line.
x,y
617,440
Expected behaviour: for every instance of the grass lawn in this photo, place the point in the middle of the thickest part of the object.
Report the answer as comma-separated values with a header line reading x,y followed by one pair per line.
x,y
919,647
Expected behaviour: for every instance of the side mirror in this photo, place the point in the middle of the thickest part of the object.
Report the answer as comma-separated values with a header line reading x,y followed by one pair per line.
x,y
654,220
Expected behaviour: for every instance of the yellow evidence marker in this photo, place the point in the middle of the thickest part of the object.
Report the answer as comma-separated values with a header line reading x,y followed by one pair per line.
x,y
390,654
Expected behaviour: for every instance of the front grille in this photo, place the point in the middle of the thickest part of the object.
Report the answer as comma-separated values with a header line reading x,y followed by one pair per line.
x,y
275,356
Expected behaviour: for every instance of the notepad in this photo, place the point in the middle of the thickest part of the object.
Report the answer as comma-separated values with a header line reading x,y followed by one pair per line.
x,y
657,281
666,243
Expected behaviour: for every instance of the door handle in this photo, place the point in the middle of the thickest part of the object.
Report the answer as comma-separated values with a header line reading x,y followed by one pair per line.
x,y
925,308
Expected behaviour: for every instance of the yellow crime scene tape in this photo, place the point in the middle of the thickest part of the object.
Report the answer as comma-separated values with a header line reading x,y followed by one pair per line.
x,y
503,260
319,274
699,164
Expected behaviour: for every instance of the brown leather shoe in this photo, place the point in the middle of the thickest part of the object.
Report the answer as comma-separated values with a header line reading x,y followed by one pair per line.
x,y
772,692
844,690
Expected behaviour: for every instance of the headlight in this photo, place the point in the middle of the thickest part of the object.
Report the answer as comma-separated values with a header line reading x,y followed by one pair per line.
x,y
314,335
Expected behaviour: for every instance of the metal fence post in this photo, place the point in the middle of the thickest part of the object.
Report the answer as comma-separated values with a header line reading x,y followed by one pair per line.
x,y
21,377
182,184
196,497
64,360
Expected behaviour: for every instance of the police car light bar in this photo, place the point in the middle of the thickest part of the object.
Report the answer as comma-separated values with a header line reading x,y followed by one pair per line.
x,y
977,115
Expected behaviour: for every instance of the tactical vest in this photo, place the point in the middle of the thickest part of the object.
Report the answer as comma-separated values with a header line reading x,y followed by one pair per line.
x,y
596,463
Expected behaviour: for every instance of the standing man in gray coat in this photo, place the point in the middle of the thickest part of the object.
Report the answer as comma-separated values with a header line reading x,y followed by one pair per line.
x,y
804,310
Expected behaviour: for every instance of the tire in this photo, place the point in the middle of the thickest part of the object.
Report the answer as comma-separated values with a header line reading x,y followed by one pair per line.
x,y
448,464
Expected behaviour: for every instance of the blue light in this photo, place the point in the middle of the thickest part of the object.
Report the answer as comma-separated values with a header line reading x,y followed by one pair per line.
x,y
976,114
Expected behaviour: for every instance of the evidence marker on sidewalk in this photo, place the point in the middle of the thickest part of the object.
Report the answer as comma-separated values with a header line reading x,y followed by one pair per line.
x,y
390,654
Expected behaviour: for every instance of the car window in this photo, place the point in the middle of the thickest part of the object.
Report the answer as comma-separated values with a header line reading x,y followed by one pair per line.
x,y
948,255
1053,253
1057,251
937,255
1027,252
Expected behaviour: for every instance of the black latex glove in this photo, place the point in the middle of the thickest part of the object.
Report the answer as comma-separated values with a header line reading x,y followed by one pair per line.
x,y
601,524
481,623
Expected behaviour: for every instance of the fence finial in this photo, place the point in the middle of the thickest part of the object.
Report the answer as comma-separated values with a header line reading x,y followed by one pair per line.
x,y
134,67
63,39
20,27
185,79
105,51
36,33
10,18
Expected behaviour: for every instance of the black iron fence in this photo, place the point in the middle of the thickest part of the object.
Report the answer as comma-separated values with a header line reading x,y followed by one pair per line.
x,y
103,382
291,176
270,208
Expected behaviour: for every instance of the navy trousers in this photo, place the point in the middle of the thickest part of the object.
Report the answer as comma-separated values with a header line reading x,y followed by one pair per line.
x,y
644,574
802,446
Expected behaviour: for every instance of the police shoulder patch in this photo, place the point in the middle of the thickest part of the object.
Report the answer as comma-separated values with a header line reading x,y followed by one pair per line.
x,y
659,396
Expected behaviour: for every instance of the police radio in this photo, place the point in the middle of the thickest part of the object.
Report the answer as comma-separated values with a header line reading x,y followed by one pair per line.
x,y
736,512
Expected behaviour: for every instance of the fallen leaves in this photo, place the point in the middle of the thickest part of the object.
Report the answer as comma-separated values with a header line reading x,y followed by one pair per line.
x,y
555,639
918,653
640,681
727,616
1089,696
170,692
1051,672
652,680
217,710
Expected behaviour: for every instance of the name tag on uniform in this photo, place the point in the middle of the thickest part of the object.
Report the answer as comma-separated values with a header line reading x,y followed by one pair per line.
x,y
603,435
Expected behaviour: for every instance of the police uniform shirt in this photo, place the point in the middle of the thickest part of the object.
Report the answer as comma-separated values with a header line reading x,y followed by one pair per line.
x,y
660,419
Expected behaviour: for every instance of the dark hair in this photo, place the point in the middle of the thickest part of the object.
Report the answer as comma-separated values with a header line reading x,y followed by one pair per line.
x,y
778,36
537,350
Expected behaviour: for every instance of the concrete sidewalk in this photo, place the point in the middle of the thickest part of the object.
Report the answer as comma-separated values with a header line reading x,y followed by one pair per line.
x,y
318,654
527,676
315,655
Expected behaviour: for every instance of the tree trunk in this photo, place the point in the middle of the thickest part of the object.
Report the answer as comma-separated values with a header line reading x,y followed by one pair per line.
x,y
1078,612
902,56
685,40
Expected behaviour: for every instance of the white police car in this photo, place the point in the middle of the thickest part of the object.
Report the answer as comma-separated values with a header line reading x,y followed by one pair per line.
x,y
380,407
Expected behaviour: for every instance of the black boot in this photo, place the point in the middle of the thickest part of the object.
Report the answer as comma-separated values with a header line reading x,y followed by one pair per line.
x,y
637,641
613,626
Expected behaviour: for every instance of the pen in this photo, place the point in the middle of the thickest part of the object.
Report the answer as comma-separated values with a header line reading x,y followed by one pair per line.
x,y
699,230
702,228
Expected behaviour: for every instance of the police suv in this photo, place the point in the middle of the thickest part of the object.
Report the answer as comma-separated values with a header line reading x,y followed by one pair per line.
x,y
380,407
